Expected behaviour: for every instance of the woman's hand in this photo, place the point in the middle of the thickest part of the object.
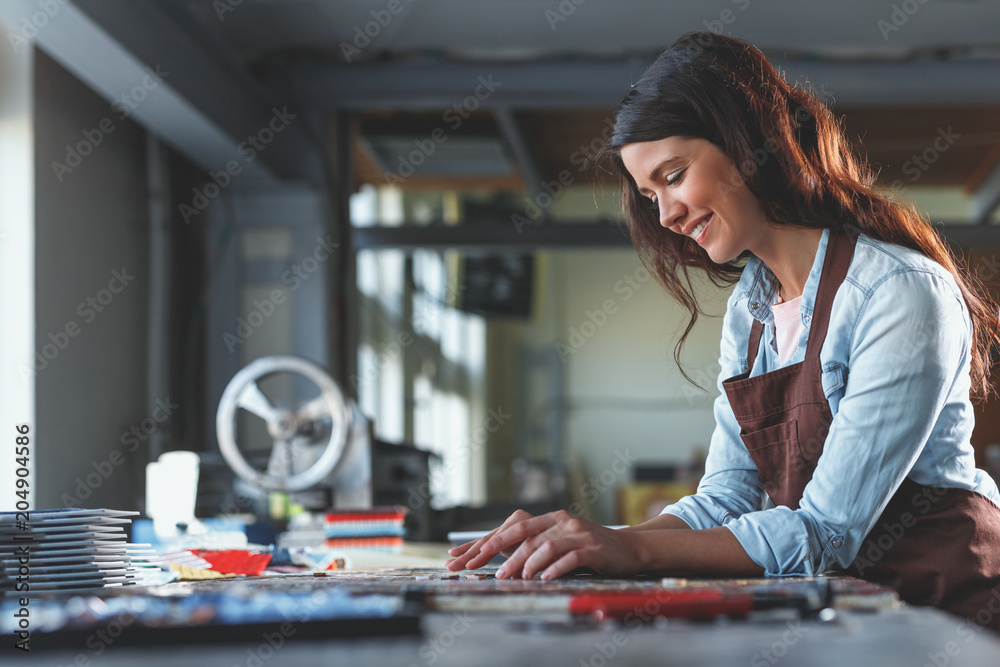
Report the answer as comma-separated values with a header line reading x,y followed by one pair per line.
x,y
470,555
553,544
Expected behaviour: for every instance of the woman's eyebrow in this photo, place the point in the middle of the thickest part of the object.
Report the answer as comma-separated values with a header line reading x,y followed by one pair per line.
x,y
663,165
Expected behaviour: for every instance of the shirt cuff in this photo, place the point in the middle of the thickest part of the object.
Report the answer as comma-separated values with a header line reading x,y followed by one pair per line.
x,y
779,541
699,512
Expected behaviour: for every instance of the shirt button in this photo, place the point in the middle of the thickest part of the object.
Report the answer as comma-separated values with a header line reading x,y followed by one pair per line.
x,y
755,305
837,542
809,318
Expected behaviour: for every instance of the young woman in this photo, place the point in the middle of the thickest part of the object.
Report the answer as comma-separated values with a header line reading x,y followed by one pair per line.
x,y
852,344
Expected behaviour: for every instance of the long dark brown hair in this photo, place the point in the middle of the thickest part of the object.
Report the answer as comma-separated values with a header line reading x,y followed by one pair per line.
x,y
791,154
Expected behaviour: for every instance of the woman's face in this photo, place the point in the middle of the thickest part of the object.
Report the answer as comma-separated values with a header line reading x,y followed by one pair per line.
x,y
699,193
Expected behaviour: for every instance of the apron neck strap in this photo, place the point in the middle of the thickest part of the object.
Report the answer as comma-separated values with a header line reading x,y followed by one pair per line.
x,y
839,251
754,343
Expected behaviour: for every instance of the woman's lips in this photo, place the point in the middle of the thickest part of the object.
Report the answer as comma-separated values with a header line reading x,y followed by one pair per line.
x,y
699,232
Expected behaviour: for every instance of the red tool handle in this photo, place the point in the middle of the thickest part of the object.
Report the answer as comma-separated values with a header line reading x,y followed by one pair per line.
x,y
662,602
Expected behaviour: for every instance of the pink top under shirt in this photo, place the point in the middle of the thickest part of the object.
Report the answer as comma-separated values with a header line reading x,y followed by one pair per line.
x,y
788,327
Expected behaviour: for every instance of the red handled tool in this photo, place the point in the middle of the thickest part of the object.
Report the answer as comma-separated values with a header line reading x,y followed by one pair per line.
x,y
701,603
661,602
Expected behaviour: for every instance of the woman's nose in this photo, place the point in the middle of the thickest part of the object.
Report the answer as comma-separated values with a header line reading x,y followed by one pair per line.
x,y
671,212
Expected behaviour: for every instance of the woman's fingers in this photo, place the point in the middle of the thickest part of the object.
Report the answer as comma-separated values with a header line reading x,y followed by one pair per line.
x,y
533,554
558,543
554,551
461,548
471,554
510,536
569,562
548,536
487,552
553,544
470,551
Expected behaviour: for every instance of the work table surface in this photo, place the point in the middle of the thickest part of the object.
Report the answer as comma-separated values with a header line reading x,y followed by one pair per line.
x,y
461,629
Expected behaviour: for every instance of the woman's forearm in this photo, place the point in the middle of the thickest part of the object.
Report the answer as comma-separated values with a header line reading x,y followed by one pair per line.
x,y
714,551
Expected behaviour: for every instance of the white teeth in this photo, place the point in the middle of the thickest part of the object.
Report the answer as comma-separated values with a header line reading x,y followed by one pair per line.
x,y
701,226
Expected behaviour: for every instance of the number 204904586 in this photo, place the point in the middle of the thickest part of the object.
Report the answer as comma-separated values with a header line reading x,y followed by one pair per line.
x,y
22,457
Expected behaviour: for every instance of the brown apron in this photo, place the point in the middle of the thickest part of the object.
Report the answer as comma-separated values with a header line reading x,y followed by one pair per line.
x,y
935,546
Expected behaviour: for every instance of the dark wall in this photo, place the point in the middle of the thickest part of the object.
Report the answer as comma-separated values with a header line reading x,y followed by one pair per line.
x,y
91,243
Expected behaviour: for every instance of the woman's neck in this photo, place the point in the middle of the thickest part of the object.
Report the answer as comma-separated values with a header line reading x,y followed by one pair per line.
x,y
789,252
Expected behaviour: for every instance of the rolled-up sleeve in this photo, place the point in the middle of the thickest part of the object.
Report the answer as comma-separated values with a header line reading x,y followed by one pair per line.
x,y
908,355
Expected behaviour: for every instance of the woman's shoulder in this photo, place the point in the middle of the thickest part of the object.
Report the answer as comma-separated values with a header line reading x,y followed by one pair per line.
x,y
876,263
889,285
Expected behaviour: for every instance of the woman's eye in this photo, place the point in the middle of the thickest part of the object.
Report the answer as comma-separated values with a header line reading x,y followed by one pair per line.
x,y
676,177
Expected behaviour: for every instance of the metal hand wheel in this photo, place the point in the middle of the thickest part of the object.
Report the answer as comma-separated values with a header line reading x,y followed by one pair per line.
x,y
289,427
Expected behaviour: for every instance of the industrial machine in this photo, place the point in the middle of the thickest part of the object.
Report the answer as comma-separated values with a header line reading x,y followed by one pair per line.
x,y
284,425
317,445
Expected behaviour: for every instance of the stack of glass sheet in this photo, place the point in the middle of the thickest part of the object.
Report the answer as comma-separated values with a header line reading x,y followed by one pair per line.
x,y
69,550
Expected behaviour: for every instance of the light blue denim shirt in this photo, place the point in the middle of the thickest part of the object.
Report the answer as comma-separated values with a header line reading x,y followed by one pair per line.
x,y
896,375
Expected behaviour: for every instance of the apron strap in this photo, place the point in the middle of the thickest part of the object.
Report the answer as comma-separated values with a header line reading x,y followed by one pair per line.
x,y
755,332
839,251
836,262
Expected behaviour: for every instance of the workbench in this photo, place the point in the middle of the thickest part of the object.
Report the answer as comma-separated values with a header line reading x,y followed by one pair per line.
x,y
472,619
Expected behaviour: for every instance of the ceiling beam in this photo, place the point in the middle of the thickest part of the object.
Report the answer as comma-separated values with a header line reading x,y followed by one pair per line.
x,y
414,86
190,97
568,235
597,84
492,238
524,151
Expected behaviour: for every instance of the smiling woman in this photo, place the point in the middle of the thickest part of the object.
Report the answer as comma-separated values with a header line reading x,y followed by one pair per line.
x,y
842,444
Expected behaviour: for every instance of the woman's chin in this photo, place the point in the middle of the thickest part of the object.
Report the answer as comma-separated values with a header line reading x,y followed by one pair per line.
x,y
712,252
720,257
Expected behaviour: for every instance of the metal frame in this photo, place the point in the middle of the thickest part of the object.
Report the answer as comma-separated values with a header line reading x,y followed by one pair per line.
x,y
602,84
568,235
205,107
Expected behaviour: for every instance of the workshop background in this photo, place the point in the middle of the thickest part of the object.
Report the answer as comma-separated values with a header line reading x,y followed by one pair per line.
x,y
402,192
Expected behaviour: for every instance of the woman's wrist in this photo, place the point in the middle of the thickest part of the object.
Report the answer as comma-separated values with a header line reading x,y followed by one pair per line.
x,y
649,548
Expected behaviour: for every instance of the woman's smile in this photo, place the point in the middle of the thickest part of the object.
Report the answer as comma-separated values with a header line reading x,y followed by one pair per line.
x,y
698,233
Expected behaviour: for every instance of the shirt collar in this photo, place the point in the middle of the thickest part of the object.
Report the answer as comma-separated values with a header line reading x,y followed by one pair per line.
x,y
760,285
